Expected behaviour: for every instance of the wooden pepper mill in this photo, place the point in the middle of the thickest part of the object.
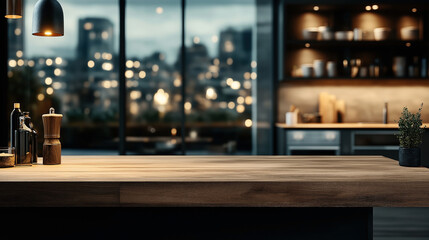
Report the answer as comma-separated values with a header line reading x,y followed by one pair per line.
x,y
52,144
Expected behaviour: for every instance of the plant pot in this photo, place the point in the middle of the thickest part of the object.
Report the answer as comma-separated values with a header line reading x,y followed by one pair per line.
x,y
409,157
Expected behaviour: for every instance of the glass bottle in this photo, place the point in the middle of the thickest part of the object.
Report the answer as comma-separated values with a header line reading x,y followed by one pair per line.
x,y
14,122
22,144
33,137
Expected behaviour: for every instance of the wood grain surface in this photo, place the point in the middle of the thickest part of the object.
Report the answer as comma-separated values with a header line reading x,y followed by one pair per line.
x,y
271,181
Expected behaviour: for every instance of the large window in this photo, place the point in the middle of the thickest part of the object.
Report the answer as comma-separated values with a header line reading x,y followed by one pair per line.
x,y
78,74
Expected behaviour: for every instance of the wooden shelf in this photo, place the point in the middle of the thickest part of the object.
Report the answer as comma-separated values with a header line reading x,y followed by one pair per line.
x,y
355,44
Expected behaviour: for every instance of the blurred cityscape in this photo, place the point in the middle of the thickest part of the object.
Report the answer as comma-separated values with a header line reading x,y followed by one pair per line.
x,y
85,89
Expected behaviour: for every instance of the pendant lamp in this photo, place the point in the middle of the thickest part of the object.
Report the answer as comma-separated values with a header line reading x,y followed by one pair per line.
x,y
48,19
13,9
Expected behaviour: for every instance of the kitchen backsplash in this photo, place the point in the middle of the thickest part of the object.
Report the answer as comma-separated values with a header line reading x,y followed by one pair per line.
x,y
363,103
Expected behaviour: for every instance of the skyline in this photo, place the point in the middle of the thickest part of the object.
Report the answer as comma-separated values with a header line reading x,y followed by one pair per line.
x,y
143,43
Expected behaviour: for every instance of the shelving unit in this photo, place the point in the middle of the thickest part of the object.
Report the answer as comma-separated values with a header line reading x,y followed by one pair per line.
x,y
369,53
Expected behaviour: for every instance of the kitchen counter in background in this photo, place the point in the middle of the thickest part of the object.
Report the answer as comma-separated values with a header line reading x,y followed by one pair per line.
x,y
339,126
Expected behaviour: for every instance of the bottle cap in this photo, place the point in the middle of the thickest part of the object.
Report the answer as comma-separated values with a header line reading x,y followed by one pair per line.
x,y
16,105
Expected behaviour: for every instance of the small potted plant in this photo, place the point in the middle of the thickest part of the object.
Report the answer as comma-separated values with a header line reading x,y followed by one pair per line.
x,y
410,137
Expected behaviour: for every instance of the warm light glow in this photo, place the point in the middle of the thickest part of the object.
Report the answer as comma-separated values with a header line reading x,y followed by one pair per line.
x,y
129,64
173,131
107,66
316,8
253,64
49,62
20,62
12,16
188,106
368,8
229,81
58,61
47,33
159,10
30,63
374,7
104,35
106,84
240,100
50,91
248,123
215,39
97,55
19,53
142,74
161,97
41,74
196,40
307,45
48,81
12,63
235,85
134,95
129,74
414,10
216,61
408,44
134,108
211,93
231,105
40,97
228,46
114,83
246,75
177,82
247,84
155,68
57,85
253,75
229,61
240,108
248,100
91,64
88,26
136,64
57,72
18,31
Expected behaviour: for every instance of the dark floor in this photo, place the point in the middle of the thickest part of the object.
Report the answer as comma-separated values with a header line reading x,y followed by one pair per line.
x,y
401,223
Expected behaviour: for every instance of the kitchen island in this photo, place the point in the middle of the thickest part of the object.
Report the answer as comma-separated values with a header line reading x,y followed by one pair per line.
x,y
279,184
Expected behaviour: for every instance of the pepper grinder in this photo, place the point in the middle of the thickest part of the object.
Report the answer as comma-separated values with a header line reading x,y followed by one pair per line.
x,y
52,144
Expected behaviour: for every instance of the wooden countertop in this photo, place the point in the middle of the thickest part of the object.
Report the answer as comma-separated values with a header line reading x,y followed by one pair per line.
x,y
340,126
273,181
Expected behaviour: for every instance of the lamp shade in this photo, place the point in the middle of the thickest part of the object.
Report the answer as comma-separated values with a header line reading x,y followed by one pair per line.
x,y
13,9
48,19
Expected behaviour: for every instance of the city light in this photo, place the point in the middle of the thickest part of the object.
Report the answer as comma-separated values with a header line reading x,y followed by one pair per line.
x,y
20,62
374,7
18,31
228,46
12,63
104,35
97,55
19,53
248,123
48,81
107,66
91,64
211,93
253,75
240,100
188,106
49,62
155,68
142,74
161,97
177,82
106,84
40,97
58,61
134,95
88,26
134,108
316,8
129,64
216,61
253,64
229,61
41,74
248,100
215,39
56,85
129,74
114,83
136,64
30,63
231,105
229,81
159,10
240,108
235,85
196,40
57,72
173,131
49,91
247,84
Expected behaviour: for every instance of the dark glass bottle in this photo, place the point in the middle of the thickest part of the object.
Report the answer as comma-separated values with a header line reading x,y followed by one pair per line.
x,y
14,122
22,144
33,137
